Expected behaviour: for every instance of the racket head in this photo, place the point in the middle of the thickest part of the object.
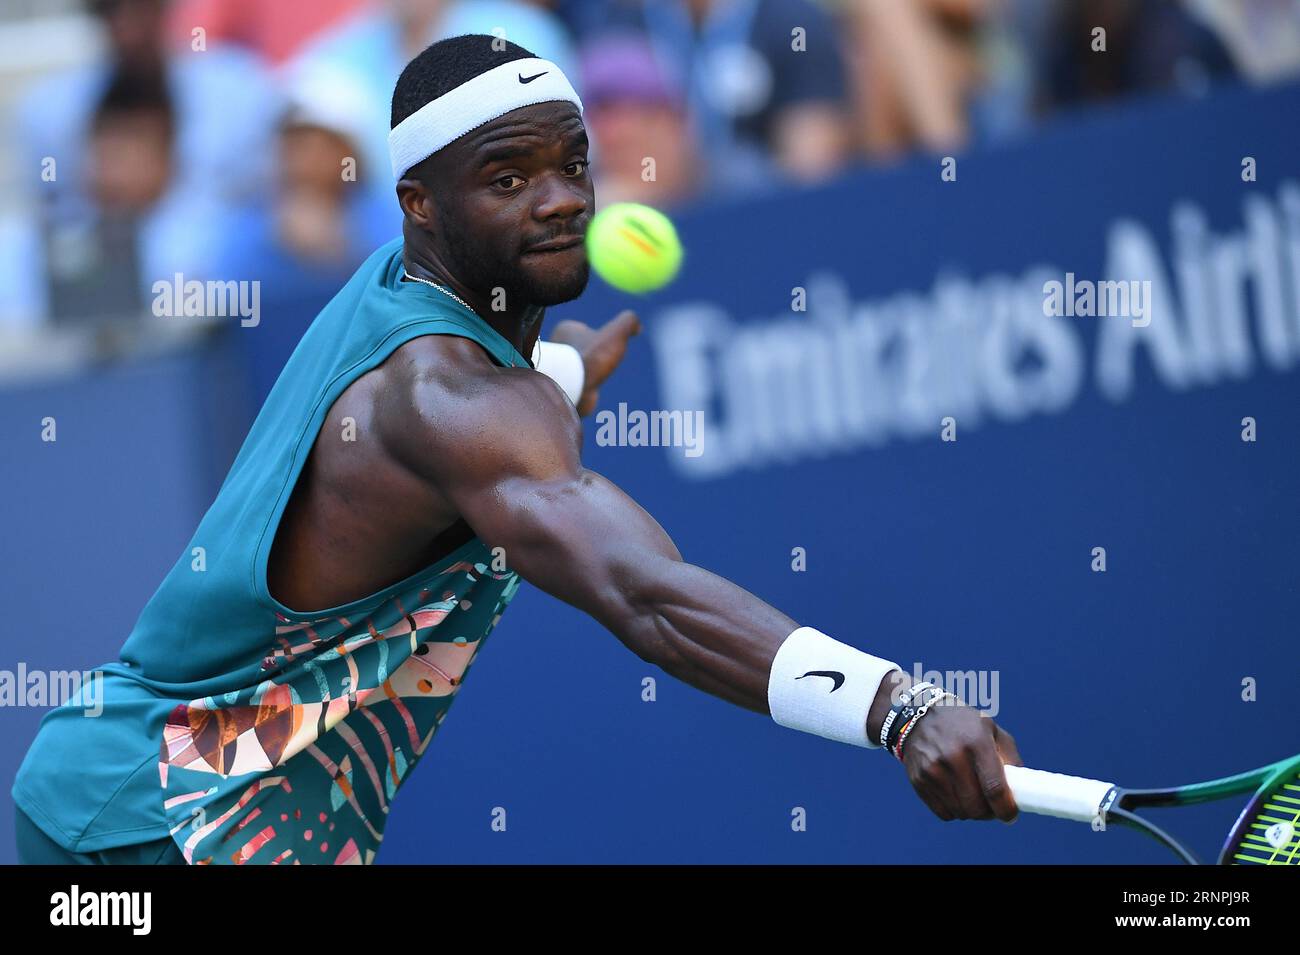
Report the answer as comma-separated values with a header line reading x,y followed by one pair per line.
x,y
1268,830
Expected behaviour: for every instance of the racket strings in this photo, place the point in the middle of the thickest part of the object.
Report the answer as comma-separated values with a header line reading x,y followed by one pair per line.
x,y
1269,833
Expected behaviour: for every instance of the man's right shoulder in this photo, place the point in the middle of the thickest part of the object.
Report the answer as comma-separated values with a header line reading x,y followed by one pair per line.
x,y
441,393
454,368
439,358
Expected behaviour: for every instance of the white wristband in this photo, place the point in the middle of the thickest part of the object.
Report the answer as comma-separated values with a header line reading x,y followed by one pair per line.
x,y
563,365
821,686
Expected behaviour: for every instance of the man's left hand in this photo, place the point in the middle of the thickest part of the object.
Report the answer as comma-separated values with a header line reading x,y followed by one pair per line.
x,y
601,349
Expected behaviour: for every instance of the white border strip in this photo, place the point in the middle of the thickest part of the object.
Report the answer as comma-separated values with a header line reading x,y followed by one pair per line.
x,y
473,103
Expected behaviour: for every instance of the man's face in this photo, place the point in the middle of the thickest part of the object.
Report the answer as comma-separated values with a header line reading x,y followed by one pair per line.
x,y
513,199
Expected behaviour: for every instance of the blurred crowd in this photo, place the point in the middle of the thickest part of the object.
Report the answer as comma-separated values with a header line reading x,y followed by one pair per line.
x,y
248,138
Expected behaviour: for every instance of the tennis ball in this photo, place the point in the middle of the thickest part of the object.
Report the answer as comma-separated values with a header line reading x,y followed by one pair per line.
x,y
633,247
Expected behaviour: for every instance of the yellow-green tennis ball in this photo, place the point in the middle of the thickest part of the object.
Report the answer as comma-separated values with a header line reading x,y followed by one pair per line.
x,y
633,247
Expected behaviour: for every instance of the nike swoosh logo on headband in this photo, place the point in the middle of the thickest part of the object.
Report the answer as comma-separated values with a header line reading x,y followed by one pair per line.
x,y
529,79
834,675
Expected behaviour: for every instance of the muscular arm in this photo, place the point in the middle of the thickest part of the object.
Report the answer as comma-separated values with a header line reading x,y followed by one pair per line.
x,y
578,537
502,446
504,451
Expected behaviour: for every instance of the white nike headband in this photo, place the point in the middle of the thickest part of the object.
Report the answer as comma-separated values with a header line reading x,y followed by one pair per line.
x,y
501,89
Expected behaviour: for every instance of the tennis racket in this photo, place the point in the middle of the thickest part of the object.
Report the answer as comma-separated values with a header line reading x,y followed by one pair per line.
x,y
1266,833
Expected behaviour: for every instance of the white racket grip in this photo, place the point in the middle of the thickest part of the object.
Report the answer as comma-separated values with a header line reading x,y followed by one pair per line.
x,y
1055,794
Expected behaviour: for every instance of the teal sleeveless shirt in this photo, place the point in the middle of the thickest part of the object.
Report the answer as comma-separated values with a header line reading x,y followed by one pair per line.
x,y
245,730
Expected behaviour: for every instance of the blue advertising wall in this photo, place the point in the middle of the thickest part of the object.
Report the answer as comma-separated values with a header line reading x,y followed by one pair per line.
x,y
826,337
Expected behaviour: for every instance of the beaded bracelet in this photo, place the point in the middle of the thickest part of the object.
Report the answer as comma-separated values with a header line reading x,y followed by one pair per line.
x,y
897,748
907,711
903,704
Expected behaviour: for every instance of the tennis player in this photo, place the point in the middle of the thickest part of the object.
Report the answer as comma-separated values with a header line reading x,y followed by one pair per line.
x,y
417,458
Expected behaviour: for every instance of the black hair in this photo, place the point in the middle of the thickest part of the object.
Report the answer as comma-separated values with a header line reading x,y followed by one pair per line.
x,y
447,64
131,92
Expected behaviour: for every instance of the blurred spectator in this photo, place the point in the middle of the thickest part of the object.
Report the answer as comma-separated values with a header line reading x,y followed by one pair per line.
x,y
643,148
1151,45
145,148
131,139
915,69
583,18
930,74
527,22
376,44
92,256
1263,36
274,29
763,99
320,222
224,102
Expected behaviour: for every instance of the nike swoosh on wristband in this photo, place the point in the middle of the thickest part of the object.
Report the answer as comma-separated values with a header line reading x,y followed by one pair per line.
x,y
529,79
834,675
